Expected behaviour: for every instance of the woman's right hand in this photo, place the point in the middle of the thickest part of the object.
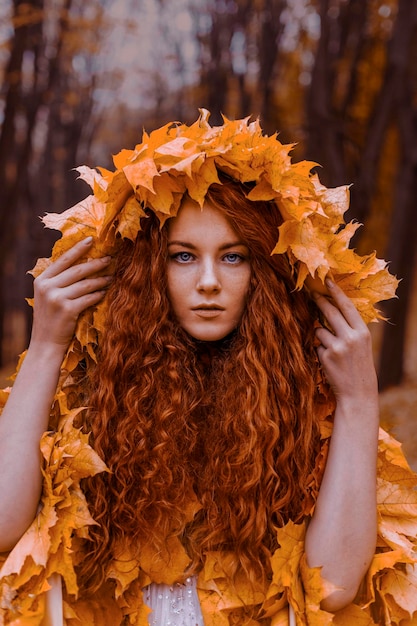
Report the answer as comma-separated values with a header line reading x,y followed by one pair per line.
x,y
63,291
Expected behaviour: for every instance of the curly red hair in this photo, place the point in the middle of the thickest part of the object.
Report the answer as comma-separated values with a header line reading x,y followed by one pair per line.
x,y
234,424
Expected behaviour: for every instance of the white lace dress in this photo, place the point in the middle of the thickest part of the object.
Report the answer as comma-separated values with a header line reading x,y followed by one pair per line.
x,y
173,605
178,605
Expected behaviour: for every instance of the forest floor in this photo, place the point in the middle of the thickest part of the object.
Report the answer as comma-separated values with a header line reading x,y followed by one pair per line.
x,y
398,412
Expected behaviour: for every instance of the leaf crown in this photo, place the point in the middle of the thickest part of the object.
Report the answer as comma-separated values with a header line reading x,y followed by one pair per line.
x,y
177,159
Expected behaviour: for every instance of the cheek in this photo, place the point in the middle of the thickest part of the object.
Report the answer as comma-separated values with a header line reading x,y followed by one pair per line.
x,y
176,288
242,288
171,288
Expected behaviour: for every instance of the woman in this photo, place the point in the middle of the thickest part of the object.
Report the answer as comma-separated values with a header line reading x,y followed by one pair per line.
x,y
205,399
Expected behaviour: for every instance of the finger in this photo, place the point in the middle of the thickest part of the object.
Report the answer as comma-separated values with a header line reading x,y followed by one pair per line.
x,y
69,257
90,299
320,352
85,287
340,310
80,272
333,315
325,337
345,304
71,275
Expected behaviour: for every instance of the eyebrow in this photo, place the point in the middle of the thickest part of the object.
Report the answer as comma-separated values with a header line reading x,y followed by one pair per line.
x,y
225,246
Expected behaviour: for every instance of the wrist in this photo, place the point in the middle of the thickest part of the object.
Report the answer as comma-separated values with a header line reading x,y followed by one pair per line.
x,y
45,352
357,419
352,404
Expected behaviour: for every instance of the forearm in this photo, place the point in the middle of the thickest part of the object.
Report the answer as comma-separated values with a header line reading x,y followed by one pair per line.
x,y
23,420
342,534
65,289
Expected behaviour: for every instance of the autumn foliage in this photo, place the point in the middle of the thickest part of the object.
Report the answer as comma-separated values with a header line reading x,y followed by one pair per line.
x,y
177,159
170,162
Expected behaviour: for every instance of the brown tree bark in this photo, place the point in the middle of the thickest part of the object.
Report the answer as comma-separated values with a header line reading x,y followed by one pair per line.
x,y
15,150
268,46
325,127
402,247
386,107
217,68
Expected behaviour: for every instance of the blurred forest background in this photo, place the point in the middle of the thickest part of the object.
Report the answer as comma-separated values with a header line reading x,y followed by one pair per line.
x,y
81,79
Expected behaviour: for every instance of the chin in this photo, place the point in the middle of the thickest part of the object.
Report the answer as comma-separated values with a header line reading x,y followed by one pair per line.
x,y
208,335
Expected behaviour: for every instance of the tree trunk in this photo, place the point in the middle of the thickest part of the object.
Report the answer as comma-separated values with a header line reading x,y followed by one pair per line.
x,y
384,112
403,233
325,127
269,40
14,155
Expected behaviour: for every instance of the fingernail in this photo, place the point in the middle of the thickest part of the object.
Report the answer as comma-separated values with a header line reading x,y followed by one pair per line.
x,y
87,241
329,282
105,259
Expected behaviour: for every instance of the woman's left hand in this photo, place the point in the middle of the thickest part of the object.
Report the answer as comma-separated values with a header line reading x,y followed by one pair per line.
x,y
345,350
342,533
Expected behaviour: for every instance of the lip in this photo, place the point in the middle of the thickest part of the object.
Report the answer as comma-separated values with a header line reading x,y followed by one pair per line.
x,y
208,307
208,311
208,314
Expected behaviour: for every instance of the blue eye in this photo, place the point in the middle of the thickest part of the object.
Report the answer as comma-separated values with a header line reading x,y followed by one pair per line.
x,y
183,257
233,257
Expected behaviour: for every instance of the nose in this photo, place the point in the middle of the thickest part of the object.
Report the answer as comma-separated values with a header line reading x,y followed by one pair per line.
x,y
208,279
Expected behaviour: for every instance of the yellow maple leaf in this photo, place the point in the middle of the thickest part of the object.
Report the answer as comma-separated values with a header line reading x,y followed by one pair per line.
x,y
352,615
166,565
285,562
263,191
391,451
141,173
125,157
198,185
303,241
97,610
123,569
83,220
34,545
316,590
129,219
92,177
395,500
401,586
335,201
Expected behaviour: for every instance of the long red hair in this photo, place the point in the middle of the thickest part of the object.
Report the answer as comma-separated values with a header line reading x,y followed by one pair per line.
x,y
234,424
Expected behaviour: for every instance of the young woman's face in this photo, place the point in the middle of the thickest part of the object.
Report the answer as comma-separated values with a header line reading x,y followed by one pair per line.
x,y
208,272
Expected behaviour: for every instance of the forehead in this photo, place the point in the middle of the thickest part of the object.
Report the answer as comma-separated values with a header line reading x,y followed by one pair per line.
x,y
193,221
